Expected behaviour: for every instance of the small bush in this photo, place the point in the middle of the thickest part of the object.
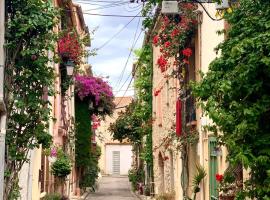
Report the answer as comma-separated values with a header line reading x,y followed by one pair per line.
x,y
135,176
52,197
62,166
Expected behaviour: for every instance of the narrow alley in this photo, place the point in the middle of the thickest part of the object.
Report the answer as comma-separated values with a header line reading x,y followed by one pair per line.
x,y
113,188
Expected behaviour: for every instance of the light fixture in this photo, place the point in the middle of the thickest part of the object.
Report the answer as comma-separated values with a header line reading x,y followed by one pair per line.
x,y
90,105
70,67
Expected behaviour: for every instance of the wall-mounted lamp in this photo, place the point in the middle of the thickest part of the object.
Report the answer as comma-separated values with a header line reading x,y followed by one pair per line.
x,y
70,67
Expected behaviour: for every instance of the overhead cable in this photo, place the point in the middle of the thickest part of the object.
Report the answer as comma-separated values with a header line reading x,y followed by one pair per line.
x,y
131,49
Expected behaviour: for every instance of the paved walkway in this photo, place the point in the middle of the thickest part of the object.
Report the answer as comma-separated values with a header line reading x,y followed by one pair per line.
x,y
113,188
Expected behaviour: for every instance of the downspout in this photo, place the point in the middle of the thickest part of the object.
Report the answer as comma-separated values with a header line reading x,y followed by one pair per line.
x,y
2,103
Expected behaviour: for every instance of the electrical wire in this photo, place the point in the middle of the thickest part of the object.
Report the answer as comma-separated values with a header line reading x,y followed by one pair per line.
x,y
131,72
107,15
105,6
117,33
131,49
208,14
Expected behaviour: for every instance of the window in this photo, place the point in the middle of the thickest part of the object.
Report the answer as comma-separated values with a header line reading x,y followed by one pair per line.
x,y
213,168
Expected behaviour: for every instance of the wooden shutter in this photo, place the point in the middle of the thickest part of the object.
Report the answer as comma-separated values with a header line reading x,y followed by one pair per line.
x,y
213,169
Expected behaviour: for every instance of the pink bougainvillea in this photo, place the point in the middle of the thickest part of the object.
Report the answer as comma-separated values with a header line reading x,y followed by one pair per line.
x,y
93,87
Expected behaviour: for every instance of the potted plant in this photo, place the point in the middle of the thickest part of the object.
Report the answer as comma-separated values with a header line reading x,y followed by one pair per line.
x,y
62,166
96,92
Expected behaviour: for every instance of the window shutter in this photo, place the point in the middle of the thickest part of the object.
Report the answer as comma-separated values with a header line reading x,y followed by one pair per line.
x,y
178,118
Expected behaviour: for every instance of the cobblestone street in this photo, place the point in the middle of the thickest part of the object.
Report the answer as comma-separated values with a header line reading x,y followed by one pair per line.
x,y
113,188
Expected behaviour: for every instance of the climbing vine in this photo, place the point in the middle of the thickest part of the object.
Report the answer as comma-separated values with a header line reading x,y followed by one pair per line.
x,y
234,93
29,78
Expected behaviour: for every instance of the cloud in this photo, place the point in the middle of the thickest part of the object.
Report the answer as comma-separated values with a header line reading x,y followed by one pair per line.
x,y
111,59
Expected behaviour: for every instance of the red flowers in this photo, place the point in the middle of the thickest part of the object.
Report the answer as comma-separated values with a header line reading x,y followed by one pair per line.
x,y
162,63
175,32
155,40
187,52
167,44
219,177
95,122
69,45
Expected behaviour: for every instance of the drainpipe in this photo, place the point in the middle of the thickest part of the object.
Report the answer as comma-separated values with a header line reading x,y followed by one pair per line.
x,y
2,104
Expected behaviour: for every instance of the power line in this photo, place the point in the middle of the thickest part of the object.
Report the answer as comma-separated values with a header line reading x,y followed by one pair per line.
x,y
105,6
108,41
125,66
111,15
132,47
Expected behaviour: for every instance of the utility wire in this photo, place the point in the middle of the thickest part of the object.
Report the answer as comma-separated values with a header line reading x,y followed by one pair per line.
x,y
107,15
131,49
208,14
108,41
105,6
125,66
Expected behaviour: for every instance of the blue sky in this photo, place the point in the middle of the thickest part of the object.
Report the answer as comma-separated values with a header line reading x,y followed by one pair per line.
x,y
111,59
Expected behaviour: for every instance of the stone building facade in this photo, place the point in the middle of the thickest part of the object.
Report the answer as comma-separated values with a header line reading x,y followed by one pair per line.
x,y
172,176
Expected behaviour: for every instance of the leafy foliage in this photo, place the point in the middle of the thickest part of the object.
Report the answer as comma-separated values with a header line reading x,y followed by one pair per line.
x,y
52,197
197,179
127,126
97,92
83,134
92,170
235,94
62,166
85,154
135,176
29,38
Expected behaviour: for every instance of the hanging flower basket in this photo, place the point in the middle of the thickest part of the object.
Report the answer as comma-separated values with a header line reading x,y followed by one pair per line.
x,y
69,48
174,35
96,92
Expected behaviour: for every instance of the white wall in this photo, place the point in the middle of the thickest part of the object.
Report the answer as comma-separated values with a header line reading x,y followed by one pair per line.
x,y
125,158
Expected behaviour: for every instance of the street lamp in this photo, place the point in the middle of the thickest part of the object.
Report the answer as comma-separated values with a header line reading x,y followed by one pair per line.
x,y
70,67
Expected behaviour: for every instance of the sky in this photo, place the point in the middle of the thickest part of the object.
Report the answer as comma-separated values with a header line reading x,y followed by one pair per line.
x,y
111,59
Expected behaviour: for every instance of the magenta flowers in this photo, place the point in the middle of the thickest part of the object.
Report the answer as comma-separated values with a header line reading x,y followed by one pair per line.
x,y
95,90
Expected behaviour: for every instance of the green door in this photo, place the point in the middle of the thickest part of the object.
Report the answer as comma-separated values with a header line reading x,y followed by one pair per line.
x,y
213,169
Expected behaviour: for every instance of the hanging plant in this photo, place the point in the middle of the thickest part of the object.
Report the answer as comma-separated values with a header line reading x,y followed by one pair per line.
x,y
62,166
173,35
69,47
96,92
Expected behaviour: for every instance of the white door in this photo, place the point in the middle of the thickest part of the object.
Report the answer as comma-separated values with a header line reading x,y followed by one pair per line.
x,y
116,162
118,159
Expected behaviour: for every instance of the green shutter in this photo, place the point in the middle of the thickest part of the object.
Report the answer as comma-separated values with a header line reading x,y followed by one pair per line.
x,y
213,169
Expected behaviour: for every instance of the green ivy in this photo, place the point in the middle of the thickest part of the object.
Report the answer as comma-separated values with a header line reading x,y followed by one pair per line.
x,y
85,154
235,94
29,38
83,133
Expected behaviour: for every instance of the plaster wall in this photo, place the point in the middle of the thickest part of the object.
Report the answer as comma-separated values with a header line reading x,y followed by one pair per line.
x,y
167,163
125,158
206,40
104,136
